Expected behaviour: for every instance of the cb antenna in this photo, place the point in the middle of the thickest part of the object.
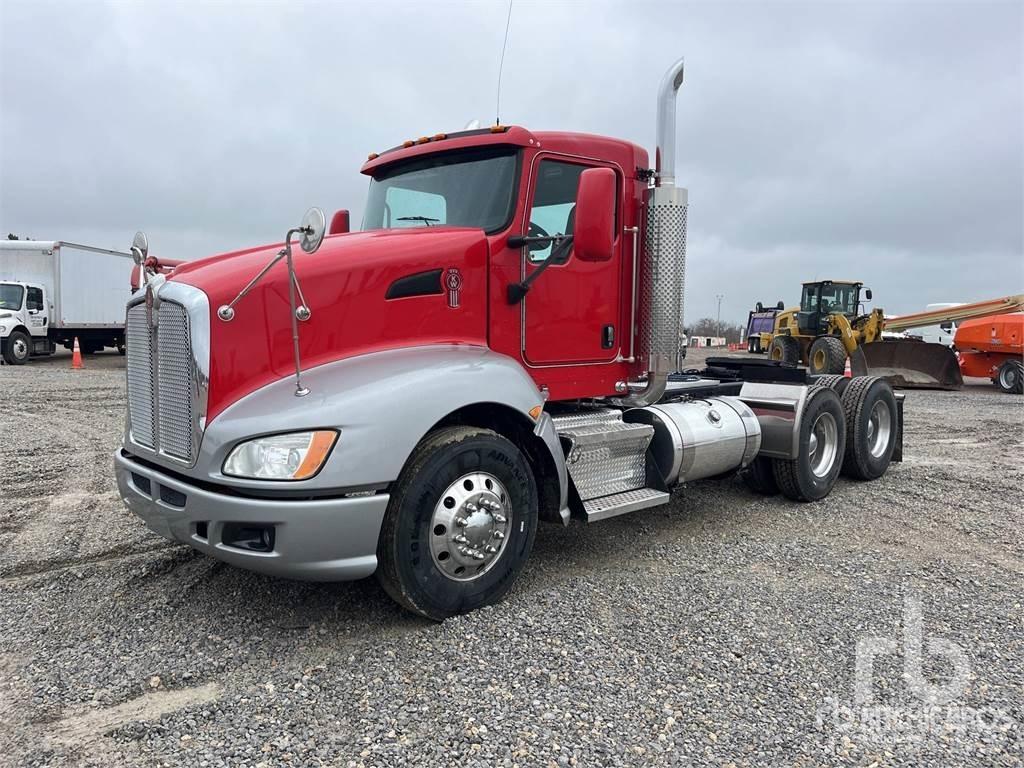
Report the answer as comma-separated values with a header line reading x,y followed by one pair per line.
x,y
501,66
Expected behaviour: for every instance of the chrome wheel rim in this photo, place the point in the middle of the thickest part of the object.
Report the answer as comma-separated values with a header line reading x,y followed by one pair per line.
x,y
879,429
19,348
823,444
469,527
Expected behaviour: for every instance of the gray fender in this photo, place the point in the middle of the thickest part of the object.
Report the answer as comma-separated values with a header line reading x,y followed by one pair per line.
x,y
383,404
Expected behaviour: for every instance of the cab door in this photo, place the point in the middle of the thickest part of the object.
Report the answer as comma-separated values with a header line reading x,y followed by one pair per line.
x,y
35,309
572,310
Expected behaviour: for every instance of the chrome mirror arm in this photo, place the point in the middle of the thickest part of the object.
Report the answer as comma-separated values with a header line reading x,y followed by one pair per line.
x,y
312,231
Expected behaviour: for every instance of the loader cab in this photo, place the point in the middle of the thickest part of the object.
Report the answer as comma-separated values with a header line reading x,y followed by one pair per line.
x,y
824,298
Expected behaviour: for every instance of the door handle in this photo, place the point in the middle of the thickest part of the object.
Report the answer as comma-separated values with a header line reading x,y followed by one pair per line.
x,y
608,337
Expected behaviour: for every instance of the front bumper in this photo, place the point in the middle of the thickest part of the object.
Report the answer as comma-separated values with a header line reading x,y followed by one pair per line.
x,y
314,540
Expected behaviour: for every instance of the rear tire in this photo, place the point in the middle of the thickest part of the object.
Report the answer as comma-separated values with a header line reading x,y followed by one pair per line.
x,y
822,441
834,382
18,348
826,356
784,349
871,427
759,477
1010,377
440,495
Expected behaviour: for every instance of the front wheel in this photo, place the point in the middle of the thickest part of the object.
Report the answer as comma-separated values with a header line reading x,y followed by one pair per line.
x,y
460,523
18,348
827,356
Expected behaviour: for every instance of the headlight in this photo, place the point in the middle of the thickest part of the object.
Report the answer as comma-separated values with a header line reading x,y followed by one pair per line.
x,y
295,456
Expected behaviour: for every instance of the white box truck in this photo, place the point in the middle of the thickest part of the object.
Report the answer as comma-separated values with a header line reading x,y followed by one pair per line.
x,y
52,292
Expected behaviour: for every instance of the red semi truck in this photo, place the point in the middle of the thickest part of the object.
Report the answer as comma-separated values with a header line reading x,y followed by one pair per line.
x,y
494,349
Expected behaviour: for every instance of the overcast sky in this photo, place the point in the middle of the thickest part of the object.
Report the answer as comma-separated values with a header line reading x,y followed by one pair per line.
x,y
877,141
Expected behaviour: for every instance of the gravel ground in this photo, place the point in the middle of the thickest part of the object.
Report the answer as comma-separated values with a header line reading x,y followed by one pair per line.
x,y
721,630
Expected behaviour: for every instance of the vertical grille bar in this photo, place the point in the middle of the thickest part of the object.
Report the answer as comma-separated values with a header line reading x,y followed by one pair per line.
x,y
139,350
174,380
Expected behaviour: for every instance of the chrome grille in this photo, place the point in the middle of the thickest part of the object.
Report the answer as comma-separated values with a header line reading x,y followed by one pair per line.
x,y
139,350
174,381
162,383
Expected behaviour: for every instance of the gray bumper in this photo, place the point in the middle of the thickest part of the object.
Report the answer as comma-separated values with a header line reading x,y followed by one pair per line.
x,y
315,540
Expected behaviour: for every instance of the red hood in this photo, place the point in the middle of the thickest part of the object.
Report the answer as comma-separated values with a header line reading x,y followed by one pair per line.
x,y
345,284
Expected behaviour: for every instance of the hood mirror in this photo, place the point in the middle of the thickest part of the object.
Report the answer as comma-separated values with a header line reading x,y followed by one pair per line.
x,y
313,227
140,248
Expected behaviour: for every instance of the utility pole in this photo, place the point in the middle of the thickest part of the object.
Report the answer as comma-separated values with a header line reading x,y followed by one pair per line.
x,y
718,320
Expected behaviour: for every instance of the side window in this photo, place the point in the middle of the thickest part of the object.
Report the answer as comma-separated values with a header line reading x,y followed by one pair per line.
x,y
34,299
554,202
413,208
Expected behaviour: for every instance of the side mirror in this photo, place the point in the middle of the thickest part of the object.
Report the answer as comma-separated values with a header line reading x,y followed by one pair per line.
x,y
339,223
313,225
594,231
867,294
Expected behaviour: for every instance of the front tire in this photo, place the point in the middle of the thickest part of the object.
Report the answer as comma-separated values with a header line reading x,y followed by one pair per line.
x,y
827,356
18,348
460,523
1010,377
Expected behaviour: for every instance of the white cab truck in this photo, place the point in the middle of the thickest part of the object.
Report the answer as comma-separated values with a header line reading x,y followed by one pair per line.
x,y
52,292
941,333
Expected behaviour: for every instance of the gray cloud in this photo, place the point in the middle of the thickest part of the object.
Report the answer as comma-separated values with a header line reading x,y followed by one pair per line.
x,y
878,141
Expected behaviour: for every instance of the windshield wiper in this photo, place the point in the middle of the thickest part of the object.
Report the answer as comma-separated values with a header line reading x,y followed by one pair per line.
x,y
425,219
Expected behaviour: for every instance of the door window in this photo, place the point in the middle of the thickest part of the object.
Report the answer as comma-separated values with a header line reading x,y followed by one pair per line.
x,y
554,203
34,299
809,302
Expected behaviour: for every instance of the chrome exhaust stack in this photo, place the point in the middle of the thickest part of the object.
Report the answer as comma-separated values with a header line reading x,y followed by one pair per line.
x,y
662,272
665,152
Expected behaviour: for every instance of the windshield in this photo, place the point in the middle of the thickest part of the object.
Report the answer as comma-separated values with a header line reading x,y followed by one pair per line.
x,y
834,298
11,296
462,189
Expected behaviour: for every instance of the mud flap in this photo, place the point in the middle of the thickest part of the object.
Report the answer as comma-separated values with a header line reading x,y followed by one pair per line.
x,y
910,364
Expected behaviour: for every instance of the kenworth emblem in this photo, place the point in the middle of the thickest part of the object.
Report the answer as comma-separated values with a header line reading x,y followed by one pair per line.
x,y
453,282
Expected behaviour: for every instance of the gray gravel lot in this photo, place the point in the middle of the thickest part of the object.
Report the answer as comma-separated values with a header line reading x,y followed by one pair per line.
x,y
713,631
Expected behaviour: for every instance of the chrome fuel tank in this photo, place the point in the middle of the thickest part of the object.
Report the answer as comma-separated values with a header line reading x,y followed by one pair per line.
x,y
700,438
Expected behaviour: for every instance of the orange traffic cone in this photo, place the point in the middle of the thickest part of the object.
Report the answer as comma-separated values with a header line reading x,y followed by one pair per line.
x,y
76,357
847,372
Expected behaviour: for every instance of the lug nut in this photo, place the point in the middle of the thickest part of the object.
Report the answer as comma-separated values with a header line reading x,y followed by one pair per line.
x,y
498,535
461,522
476,554
491,549
460,539
471,507
499,518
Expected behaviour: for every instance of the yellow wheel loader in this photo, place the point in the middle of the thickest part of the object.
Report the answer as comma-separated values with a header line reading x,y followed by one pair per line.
x,y
830,325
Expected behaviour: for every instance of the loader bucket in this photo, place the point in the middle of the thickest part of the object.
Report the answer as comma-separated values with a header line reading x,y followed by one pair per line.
x,y
911,364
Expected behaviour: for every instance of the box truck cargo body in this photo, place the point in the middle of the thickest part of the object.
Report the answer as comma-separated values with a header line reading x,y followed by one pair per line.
x,y
52,292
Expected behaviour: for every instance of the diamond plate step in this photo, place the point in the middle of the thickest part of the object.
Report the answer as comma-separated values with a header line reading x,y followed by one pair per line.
x,y
605,455
621,503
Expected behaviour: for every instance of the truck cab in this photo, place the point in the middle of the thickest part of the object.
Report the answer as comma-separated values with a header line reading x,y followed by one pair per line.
x,y
492,350
24,321
820,299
